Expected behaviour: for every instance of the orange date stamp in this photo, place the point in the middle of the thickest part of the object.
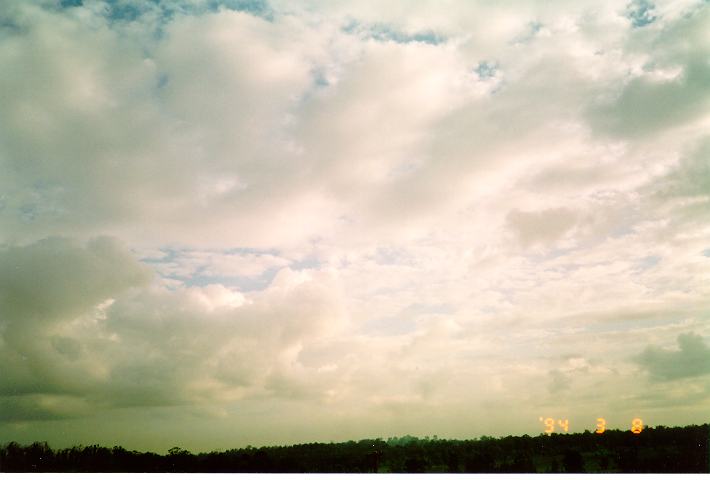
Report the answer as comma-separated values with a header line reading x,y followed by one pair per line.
x,y
563,423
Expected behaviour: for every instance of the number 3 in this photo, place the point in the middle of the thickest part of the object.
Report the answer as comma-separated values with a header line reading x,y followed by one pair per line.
x,y
601,425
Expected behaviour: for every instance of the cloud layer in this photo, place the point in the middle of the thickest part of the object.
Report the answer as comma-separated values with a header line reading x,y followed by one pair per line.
x,y
321,221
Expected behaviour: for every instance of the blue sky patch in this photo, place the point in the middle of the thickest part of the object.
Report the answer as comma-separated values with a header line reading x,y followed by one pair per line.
x,y
640,12
125,12
486,70
172,263
532,30
243,284
132,10
258,8
382,32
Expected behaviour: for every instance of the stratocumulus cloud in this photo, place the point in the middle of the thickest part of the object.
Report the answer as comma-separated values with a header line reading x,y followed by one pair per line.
x,y
233,222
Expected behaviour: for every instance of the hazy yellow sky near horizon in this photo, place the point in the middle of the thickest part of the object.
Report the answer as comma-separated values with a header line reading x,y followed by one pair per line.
x,y
239,222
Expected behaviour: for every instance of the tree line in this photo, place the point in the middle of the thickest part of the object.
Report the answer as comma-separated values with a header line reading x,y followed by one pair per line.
x,y
655,450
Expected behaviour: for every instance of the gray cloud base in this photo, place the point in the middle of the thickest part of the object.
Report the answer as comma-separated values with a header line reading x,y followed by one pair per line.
x,y
692,359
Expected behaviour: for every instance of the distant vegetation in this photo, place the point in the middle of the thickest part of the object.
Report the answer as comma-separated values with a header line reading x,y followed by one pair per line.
x,y
655,450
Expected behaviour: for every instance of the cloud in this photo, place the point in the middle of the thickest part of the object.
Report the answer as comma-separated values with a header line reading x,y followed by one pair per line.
x,y
545,226
57,277
129,126
83,322
692,359
669,89
41,407
691,178
559,382
347,213
46,289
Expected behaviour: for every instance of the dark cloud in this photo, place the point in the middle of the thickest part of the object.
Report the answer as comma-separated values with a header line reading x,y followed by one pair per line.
x,y
47,291
82,329
692,176
692,359
648,104
40,407
58,277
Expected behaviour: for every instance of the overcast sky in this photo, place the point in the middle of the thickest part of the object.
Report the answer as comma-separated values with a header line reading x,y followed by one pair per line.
x,y
232,222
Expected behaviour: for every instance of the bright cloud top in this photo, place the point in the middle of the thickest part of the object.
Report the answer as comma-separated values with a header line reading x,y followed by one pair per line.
x,y
240,221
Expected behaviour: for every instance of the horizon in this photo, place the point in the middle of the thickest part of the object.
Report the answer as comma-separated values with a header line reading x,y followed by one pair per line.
x,y
392,440
234,222
660,450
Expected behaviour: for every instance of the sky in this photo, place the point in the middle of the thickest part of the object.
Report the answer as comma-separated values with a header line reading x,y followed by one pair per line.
x,y
249,222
